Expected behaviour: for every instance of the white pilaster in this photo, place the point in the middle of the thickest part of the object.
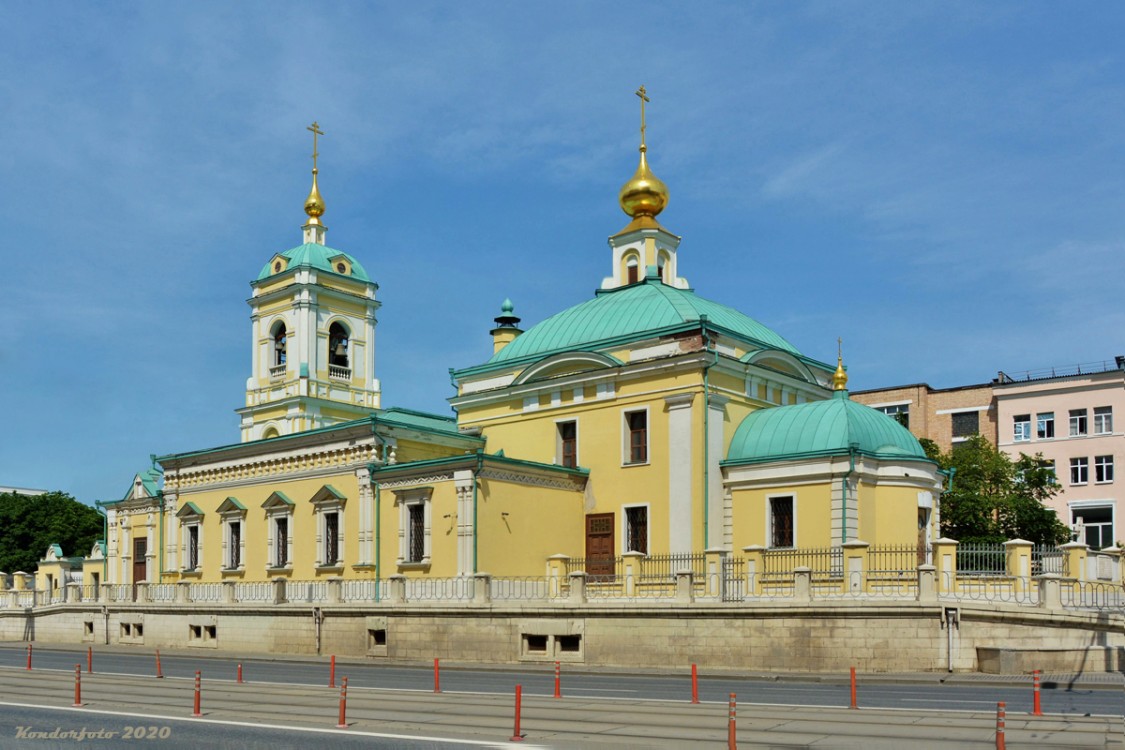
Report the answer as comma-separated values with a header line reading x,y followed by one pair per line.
x,y
680,472
717,407
463,484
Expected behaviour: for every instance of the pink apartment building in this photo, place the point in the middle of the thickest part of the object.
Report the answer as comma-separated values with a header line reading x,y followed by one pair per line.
x,y
1075,418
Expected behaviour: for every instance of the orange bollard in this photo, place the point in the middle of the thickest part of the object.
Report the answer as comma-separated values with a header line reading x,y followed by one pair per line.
x,y
332,672
196,711
694,684
1000,745
1037,707
29,656
558,685
437,676
732,741
239,673
516,735
159,671
343,723
853,690
77,685
90,660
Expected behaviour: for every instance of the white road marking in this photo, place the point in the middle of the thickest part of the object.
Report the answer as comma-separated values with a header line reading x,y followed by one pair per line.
x,y
251,725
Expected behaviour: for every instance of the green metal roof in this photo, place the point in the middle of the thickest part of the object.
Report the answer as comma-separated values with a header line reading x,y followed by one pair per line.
x,y
316,256
821,428
632,311
150,480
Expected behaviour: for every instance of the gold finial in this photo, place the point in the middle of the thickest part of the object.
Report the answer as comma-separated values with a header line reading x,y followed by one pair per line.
x,y
840,377
644,194
314,204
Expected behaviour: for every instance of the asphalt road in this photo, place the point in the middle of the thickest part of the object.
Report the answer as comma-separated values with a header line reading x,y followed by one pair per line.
x,y
539,680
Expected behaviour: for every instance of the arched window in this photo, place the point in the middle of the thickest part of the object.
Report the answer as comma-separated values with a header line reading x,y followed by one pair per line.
x,y
338,345
632,270
279,343
661,264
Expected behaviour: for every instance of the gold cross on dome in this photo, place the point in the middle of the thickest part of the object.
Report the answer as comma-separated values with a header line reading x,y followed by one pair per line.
x,y
839,348
644,98
315,131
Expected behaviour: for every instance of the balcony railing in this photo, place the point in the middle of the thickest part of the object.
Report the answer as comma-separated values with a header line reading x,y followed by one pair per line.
x,y
339,373
277,372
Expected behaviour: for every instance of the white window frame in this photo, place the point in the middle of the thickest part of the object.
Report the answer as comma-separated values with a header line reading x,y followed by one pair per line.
x,y
1044,423
625,527
1079,422
328,500
1103,469
1078,506
559,441
1080,467
187,525
792,496
406,499
279,507
1103,420
231,511
626,435
893,410
1021,428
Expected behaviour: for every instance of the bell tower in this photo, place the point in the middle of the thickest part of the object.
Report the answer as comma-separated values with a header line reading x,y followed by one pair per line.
x,y
312,334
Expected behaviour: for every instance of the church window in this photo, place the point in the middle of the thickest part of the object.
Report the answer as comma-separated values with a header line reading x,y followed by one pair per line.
x,y
416,549
280,344
192,561
331,538
337,345
781,521
234,545
567,448
277,266
328,504
281,542
232,513
632,270
636,424
341,268
414,527
636,529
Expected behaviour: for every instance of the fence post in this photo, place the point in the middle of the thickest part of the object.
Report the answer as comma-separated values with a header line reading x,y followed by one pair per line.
x,y
107,592
1017,563
755,567
335,590
685,586
632,562
1074,560
927,587
945,563
396,589
802,584
183,592
279,593
1114,551
855,567
1050,595
556,573
228,592
713,569
142,592
482,588
73,592
578,587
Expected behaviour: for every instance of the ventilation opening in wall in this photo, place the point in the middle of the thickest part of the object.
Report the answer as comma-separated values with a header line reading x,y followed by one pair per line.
x,y
88,629
535,644
138,630
376,638
210,632
195,632
569,644
126,630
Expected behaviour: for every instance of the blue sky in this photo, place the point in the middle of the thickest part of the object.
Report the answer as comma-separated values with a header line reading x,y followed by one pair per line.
x,y
940,184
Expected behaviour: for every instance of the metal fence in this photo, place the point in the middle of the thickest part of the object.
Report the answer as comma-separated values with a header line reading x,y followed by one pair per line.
x,y
824,562
981,559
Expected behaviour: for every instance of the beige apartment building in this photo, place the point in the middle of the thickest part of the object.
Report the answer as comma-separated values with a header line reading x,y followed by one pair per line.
x,y
945,415
1073,417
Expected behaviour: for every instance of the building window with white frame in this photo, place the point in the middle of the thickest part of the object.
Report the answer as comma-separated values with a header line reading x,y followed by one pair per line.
x,y
636,529
414,530
234,545
281,542
1103,469
191,546
191,539
899,412
1045,425
1021,428
636,430
1094,525
1079,470
232,513
781,521
566,448
1103,420
1077,422
328,506
279,515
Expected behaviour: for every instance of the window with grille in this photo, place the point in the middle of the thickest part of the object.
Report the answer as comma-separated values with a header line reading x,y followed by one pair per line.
x,y
638,436
966,423
781,521
281,542
636,532
331,538
568,444
192,547
235,544
416,544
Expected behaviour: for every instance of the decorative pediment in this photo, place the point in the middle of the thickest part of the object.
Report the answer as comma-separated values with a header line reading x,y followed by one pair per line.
x,y
568,363
190,510
231,505
278,263
341,264
54,553
278,500
782,362
328,494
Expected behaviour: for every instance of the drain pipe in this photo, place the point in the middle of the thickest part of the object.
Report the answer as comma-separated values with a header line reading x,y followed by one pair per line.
x,y
852,448
476,531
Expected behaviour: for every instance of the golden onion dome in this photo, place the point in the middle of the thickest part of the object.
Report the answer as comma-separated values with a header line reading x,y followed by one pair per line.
x,y
840,377
314,204
644,194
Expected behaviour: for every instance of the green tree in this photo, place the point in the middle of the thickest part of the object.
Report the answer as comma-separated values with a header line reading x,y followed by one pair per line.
x,y
29,524
995,498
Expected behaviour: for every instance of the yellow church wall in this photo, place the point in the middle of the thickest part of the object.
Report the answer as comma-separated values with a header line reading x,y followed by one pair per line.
x,y
812,509
443,531
520,526
889,515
